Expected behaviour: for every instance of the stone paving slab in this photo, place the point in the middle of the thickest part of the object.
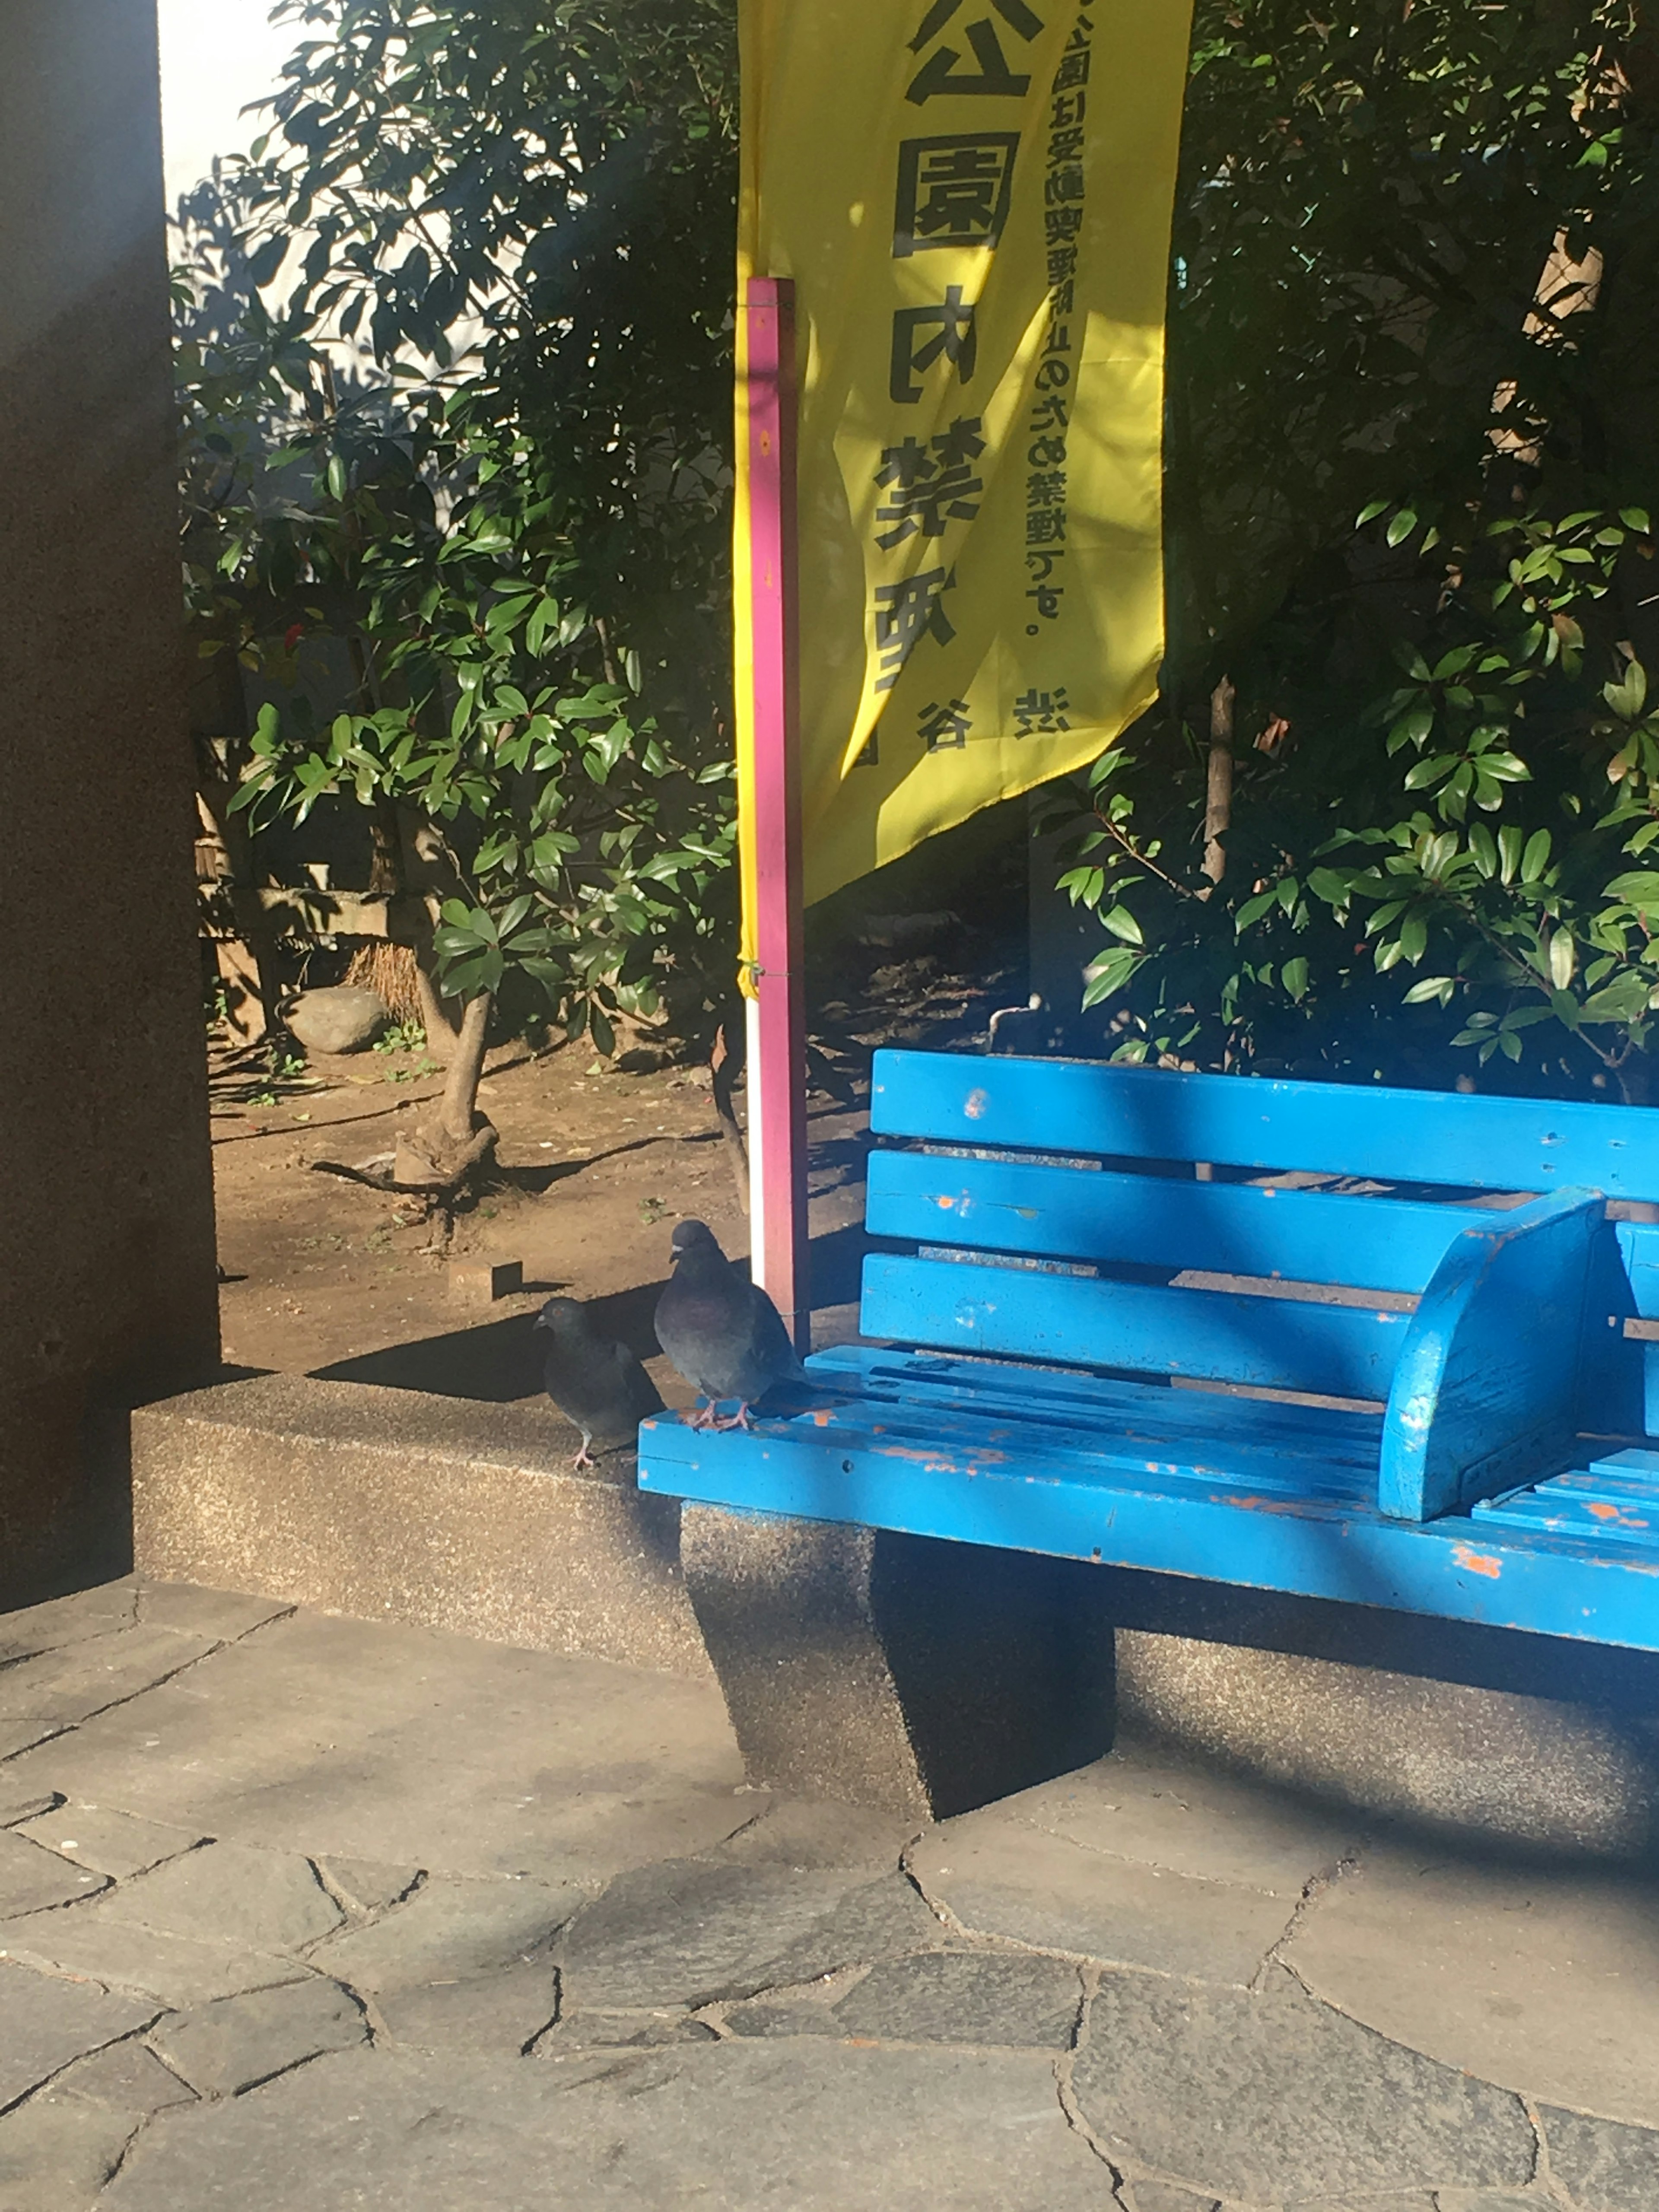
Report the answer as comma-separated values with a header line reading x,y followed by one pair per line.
x,y
226,2047
49,2023
144,1961
811,2126
965,1997
58,2150
1001,1876
445,1753
67,1685
690,1934
449,1930
1208,1826
229,1893
110,1843
1545,1978
1272,2096
498,2014
65,1620
1605,2168
32,1880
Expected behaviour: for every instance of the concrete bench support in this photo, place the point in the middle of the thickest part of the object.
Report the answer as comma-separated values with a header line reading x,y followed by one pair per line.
x,y
894,1671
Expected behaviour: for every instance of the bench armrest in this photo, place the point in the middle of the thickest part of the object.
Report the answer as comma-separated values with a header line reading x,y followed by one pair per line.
x,y
1487,1381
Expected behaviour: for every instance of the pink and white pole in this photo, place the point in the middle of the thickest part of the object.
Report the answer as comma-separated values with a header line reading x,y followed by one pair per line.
x,y
777,1012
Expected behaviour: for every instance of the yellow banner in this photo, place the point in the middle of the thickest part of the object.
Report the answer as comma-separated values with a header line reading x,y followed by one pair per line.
x,y
973,198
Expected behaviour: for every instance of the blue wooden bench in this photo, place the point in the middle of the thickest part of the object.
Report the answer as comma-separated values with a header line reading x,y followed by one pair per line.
x,y
1378,1353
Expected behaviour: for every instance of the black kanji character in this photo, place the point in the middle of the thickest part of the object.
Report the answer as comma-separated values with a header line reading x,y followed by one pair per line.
x,y
1067,108
1065,183
904,612
944,729
1047,488
953,192
1073,70
1062,264
1061,223
1045,525
1043,713
929,486
954,339
938,73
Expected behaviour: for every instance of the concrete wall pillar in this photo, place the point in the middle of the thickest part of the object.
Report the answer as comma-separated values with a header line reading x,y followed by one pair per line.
x,y
107,1282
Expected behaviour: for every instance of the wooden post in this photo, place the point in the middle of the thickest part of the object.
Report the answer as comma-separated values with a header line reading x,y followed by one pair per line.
x,y
777,1013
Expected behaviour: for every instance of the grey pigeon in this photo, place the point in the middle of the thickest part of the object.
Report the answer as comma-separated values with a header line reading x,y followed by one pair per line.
x,y
720,1330
596,1383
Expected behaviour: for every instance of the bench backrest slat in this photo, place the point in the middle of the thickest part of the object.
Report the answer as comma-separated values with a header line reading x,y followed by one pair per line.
x,y
1409,1136
1067,1212
1277,1344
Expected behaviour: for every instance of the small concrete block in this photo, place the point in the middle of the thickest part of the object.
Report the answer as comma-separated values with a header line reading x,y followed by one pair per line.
x,y
230,2045
266,1900
998,1877
115,1843
966,1996
33,1881
491,2014
57,2152
367,1886
49,2022
1272,2097
450,1930
127,2076
688,1933
480,1282
843,1654
1604,2165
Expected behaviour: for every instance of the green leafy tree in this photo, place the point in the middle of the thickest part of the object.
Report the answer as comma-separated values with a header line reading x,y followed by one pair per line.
x,y
511,505
1413,442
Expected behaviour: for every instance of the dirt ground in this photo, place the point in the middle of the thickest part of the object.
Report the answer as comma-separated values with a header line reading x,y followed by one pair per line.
x,y
322,1274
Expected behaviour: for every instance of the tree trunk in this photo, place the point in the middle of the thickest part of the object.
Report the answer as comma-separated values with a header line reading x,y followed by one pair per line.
x,y
1218,784
439,1154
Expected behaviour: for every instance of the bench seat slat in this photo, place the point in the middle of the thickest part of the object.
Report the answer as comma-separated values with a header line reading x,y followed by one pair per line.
x,y
1277,1344
1310,1237
1458,1567
1394,1135
1033,1397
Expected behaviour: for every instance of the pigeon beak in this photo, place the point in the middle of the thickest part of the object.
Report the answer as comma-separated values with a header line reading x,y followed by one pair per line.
x,y
540,1321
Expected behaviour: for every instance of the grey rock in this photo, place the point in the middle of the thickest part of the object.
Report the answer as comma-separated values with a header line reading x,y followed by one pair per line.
x,y
501,2013
17,1736
115,1843
1001,1877
1486,2199
775,2016
57,2152
68,1684
32,1880
48,2023
689,1932
1163,2196
1275,2096
344,1017
266,1900
814,2126
1416,2200
230,2045
175,1969
966,1996
1605,2167
127,2076
450,1930
367,1886
17,1806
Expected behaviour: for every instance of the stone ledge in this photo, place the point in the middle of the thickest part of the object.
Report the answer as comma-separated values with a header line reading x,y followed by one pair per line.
x,y
395,1506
